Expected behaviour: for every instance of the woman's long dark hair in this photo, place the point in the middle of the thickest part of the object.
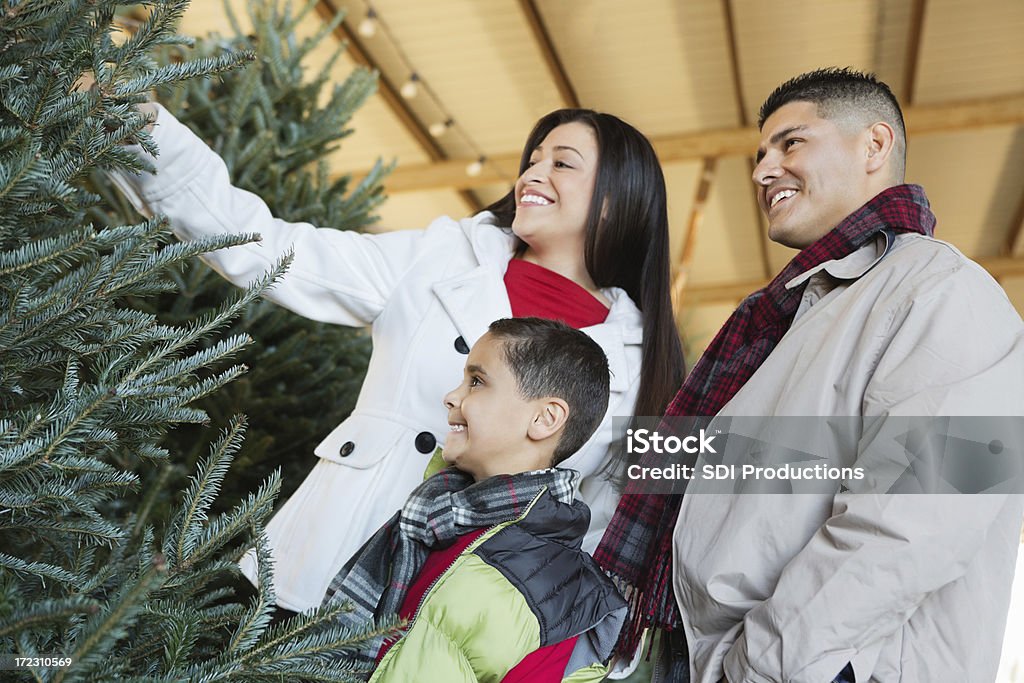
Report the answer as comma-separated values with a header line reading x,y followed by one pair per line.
x,y
628,246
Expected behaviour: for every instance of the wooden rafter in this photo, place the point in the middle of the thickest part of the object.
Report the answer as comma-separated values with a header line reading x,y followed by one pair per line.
x,y
1015,240
958,116
734,62
913,55
741,107
998,267
697,295
389,93
690,238
920,120
547,50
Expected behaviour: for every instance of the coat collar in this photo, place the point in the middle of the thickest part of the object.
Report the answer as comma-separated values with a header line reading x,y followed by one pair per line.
x,y
549,518
474,299
853,266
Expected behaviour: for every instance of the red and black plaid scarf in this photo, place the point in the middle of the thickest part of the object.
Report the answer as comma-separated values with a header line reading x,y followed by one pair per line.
x,y
637,547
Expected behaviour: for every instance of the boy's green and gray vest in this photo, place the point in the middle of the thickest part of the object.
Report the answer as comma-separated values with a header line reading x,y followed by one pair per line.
x,y
537,589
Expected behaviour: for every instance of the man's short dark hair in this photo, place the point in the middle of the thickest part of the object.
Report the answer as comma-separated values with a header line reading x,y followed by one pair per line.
x,y
843,93
549,358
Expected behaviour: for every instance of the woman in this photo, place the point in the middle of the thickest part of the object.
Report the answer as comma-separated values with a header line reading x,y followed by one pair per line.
x,y
588,244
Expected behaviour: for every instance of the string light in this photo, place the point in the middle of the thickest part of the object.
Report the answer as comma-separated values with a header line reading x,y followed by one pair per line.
x,y
475,168
374,23
411,87
439,128
368,26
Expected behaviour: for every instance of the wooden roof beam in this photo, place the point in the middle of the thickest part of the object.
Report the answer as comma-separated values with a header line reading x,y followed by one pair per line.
x,y
913,55
920,120
728,293
959,116
734,62
741,107
700,199
1015,240
547,49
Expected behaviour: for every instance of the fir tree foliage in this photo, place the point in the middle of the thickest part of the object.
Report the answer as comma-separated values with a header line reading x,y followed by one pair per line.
x,y
90,385
275,124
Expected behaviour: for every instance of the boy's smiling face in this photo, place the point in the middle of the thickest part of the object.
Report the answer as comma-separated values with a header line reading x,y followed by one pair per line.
x,y
492,425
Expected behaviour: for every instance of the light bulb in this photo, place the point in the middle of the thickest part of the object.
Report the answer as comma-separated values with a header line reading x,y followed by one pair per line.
x,y
368,26
475,168
439,128
410,88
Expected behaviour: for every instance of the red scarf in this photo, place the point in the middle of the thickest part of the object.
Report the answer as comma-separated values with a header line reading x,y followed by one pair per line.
x,y
637,547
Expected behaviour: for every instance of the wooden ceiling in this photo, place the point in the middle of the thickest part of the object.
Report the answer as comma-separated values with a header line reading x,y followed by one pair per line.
x,y
691,74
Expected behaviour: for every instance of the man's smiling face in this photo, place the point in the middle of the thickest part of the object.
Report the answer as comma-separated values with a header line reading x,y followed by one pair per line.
x,y
810,174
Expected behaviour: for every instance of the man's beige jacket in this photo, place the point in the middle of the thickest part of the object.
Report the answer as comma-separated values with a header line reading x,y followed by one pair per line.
x,y
914,588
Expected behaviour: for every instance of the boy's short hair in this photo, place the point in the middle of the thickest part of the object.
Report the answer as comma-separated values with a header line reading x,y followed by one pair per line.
x,y
549,358
845,93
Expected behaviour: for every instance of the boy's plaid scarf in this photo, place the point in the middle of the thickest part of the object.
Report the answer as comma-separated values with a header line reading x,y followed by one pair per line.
x,y
637,547
445,506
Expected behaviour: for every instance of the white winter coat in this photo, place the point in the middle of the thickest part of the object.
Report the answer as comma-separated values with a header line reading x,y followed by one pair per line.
x,y
423,293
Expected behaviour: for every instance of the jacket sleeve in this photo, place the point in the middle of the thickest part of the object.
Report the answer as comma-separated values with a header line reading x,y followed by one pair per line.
x,y
955,348
337,276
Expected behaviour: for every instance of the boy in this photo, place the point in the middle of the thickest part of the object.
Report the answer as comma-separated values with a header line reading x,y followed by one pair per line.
x,y
484,559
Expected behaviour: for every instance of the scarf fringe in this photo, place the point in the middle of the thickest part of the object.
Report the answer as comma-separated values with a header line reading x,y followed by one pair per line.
x,y
663,614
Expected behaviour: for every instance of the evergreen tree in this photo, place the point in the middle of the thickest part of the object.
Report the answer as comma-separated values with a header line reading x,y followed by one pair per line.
x,y
274,127
90,385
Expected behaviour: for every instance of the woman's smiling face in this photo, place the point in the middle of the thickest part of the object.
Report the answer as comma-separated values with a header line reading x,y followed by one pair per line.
x,y
553,195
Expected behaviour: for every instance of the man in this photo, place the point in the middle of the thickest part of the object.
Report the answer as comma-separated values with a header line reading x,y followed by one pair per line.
x,y
872,318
